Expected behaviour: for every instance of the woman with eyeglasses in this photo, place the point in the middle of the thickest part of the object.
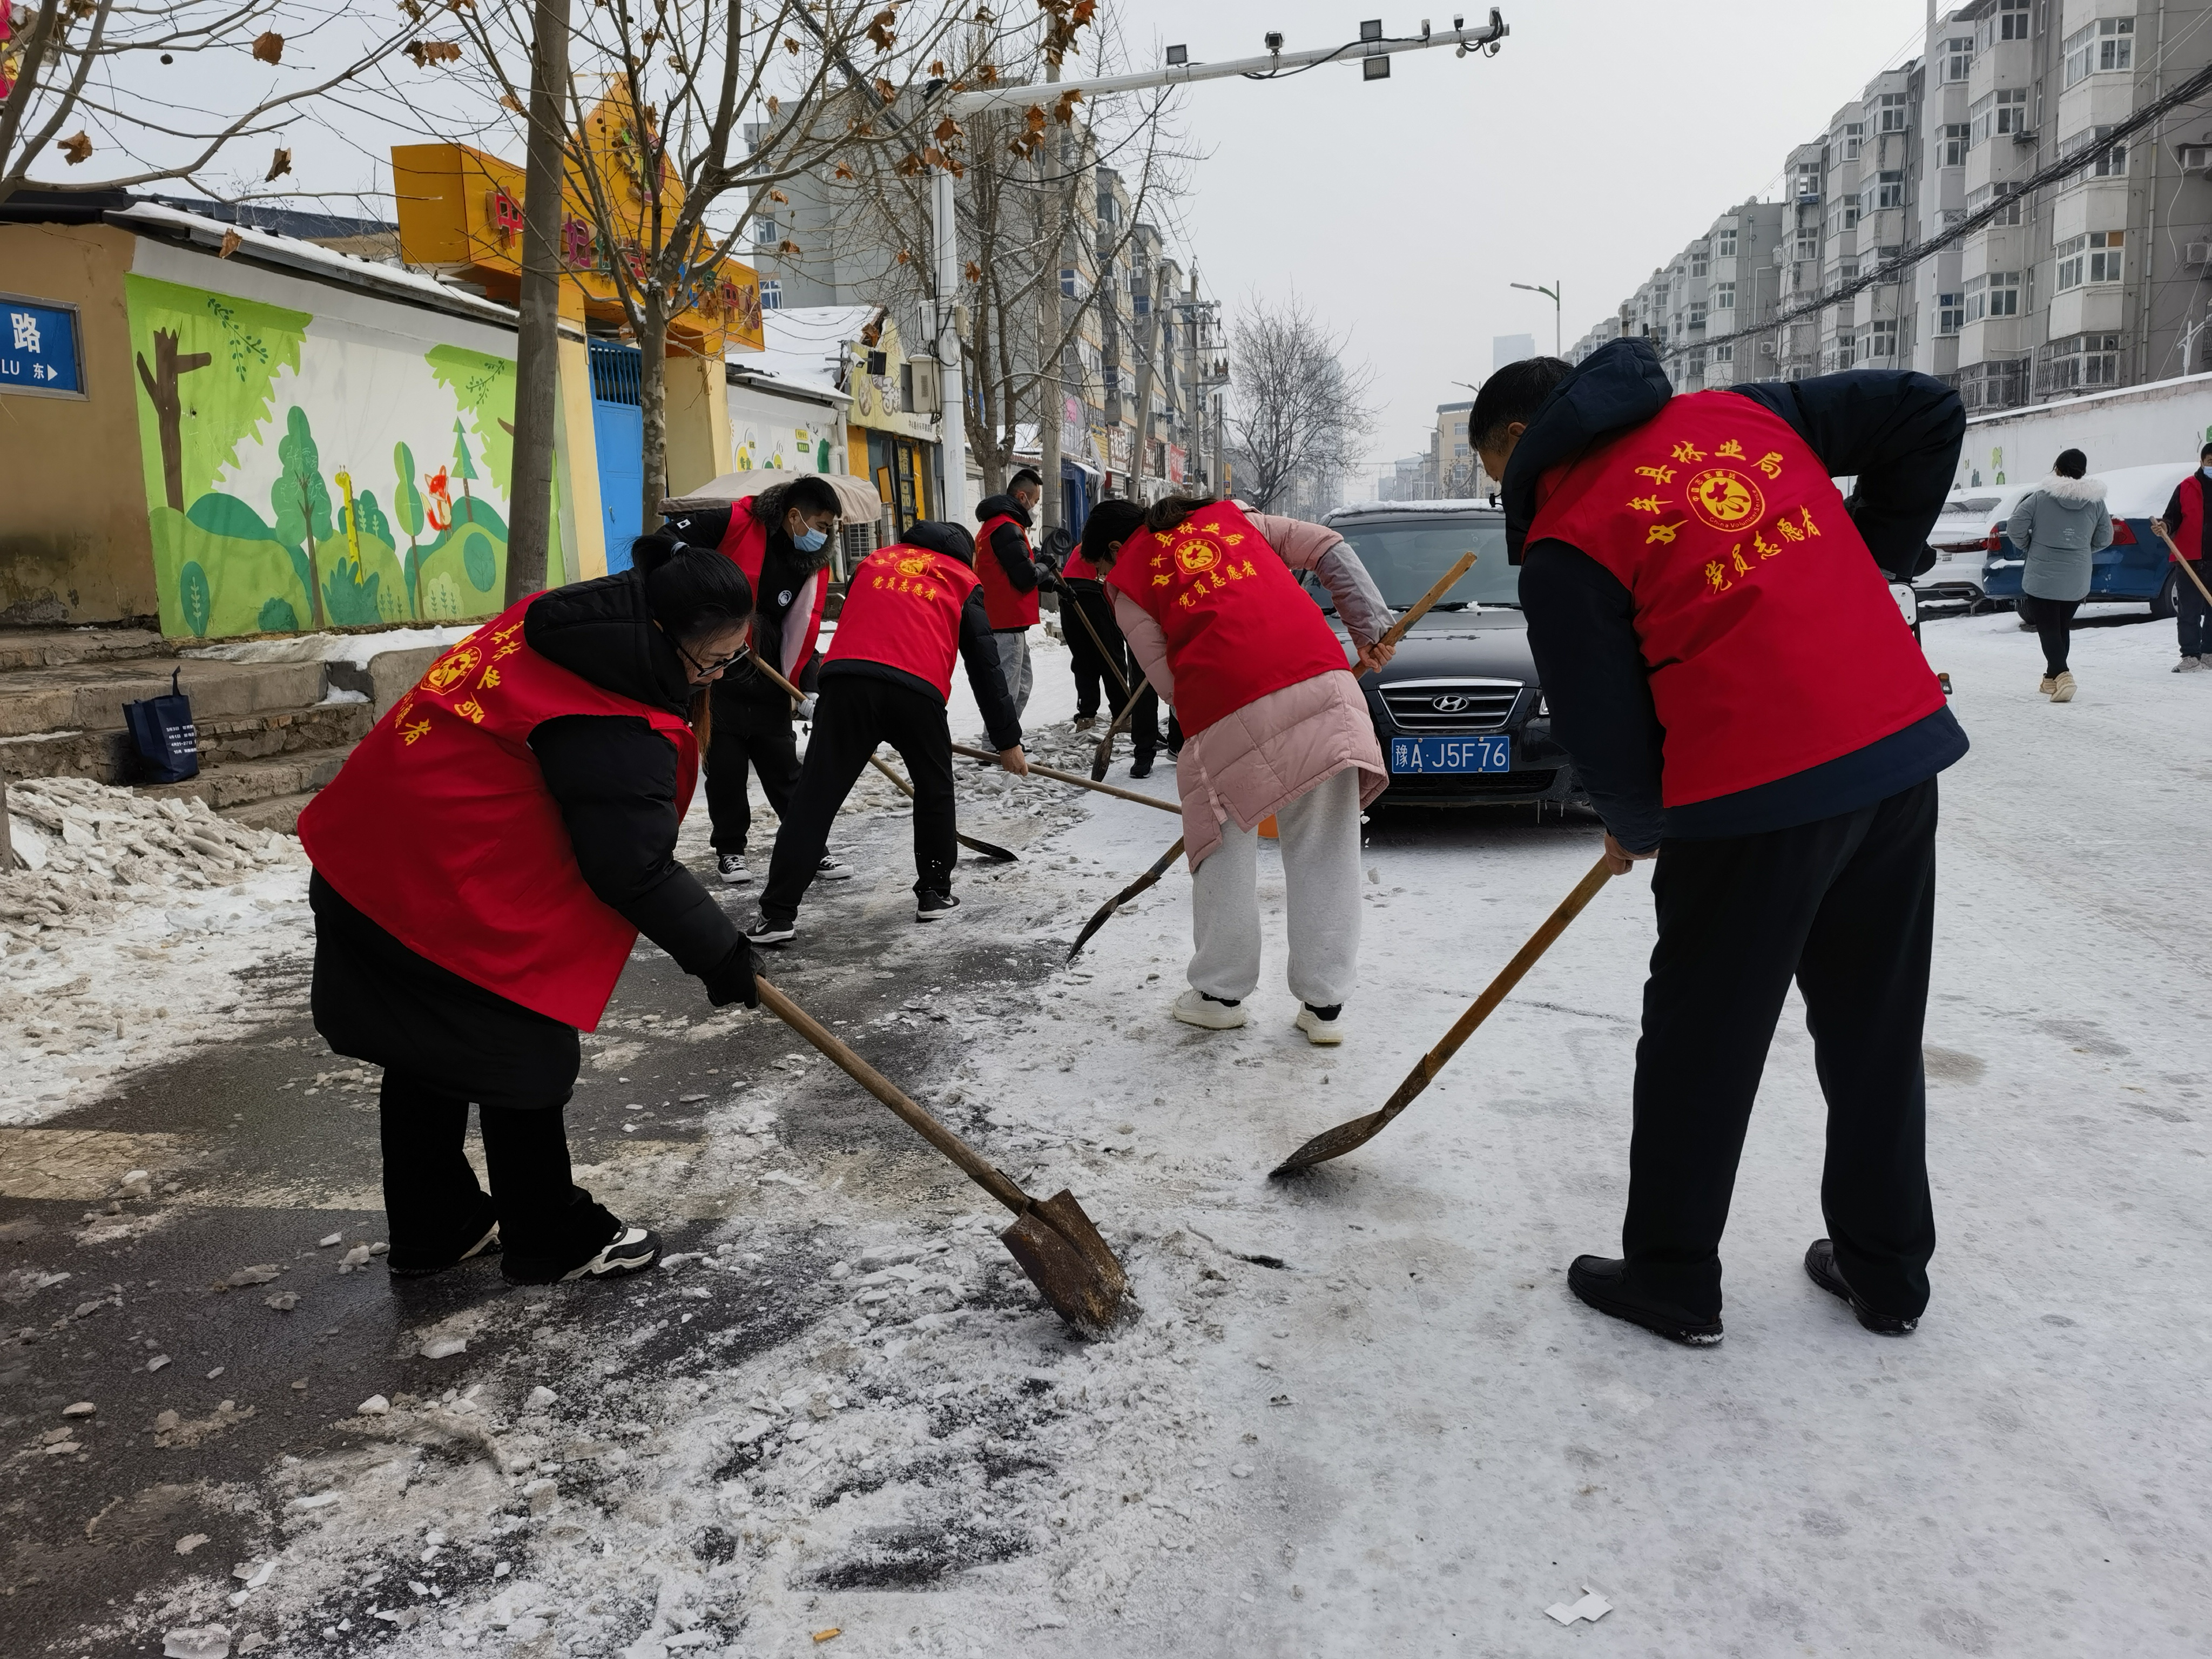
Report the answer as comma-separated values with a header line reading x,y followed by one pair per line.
x,y
482,866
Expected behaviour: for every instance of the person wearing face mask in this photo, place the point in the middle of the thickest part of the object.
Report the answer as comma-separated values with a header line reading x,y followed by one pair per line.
x,y
2191,526
781,539
1008,572
485,862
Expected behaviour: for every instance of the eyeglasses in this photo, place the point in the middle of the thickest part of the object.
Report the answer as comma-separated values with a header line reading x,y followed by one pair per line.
x,y
718,664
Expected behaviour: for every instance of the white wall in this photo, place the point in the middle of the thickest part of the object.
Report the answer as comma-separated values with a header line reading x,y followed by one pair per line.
x,y
2167,421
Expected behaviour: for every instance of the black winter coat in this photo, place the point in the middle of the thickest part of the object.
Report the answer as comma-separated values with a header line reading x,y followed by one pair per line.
x,y
1008,545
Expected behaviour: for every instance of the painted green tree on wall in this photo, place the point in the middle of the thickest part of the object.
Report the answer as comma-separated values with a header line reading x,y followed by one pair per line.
x,y
407,506
464,469
302,500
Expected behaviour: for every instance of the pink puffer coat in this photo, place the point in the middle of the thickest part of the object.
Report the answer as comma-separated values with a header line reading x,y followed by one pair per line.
x,y
1257,760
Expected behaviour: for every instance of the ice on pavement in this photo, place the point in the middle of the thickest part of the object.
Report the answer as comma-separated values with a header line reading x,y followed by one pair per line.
x,y
1407,1437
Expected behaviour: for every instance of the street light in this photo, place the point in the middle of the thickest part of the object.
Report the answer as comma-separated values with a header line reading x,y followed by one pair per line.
x,y
1552,295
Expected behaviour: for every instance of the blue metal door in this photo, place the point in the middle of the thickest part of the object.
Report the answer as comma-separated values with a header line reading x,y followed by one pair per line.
x,y
618,434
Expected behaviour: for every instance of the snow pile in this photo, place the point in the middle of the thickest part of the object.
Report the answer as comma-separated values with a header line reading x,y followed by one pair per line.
x,y
354,648
124,932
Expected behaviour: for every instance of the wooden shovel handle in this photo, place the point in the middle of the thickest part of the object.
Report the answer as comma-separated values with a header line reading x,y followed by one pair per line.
x,y
797,695
972,1163
1421,605
1080,783
2186,564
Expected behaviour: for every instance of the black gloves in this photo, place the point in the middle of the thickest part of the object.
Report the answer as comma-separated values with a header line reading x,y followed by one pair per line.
x,y
731,980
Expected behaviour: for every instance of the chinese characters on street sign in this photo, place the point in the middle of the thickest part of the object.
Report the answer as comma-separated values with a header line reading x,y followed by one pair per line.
x,y
39,348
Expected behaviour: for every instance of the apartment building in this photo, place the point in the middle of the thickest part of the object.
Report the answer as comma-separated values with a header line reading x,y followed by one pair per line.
x,y
2101,279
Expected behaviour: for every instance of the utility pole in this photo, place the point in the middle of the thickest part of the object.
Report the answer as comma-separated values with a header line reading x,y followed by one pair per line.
x,y
538,328
1050,399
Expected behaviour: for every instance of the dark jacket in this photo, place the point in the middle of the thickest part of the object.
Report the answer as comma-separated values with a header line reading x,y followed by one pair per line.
x,y
615,777
1897,433
979,645
1008,544
2181,527
784,569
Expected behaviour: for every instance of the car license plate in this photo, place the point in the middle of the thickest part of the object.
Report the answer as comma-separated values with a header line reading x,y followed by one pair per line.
x,y
1424,755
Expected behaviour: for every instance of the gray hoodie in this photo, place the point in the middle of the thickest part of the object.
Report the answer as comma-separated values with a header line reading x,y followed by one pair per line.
x,y
2058,526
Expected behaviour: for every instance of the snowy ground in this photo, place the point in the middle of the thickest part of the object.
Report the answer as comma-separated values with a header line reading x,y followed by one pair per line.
x,y
1360,1415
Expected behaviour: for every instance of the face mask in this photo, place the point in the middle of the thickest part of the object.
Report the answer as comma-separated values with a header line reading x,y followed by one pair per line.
x,y
2206,471
811,542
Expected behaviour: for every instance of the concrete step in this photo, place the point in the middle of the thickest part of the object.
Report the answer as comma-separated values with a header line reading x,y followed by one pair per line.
x,y
279,812
90,696
232,786
388,677
53,647
112,758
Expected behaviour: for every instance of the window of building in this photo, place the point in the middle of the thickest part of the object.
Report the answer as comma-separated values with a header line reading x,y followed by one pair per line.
x,y
2111,163
764,231
1808,181
2080,362
1850,213
771,295
1725,248
2095,48
1996,294
1699,263
1808,242
1696,316
1723,296
1066,283
1995,113
1889,114
2008,23
1854,137
2006,215
1888,189
1878,340
1950,312
1958,57
2096,256
1724,353
1956,144
1848,270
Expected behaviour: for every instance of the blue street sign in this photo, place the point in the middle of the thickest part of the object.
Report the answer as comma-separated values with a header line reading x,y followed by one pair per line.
x,y
39,348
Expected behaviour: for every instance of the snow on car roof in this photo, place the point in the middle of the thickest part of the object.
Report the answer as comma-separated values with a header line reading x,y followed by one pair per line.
x,y
1368,509
2137,492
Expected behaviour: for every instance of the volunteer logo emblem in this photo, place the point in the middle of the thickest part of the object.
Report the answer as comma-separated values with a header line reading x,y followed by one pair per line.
x,y
1194,556
915,564
450,670
1723,499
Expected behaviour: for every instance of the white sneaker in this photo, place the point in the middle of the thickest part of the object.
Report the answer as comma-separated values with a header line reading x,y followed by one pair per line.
x,y
632,1251
731,866
1194,1007
1324,1028
2064,691
2048,686
833,870
2189,665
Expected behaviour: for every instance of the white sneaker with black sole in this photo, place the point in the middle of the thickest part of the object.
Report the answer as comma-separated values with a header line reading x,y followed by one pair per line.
x,y
731,866
833,870
632,1251
1194,1007
765,932
1321,1026
934,906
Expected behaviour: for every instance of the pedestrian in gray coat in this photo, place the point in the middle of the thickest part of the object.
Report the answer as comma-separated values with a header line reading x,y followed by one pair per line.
x,y
2058,527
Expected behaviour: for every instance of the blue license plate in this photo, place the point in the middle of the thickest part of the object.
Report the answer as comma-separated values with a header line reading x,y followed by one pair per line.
x,y
1425,754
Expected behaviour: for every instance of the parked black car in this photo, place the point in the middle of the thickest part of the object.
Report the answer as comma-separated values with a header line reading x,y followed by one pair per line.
x,y
1460,718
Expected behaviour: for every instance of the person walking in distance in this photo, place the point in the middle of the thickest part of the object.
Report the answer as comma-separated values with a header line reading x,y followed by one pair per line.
x,y
1008,572
2190,526
1742,701
1110,524
1278,725
484,863
780,538
2059,526
910,609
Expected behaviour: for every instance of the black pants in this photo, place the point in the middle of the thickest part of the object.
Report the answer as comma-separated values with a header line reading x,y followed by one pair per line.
x,y
853,715
752,725
2053,620
547,1224
2192,618
1847,906
1091,666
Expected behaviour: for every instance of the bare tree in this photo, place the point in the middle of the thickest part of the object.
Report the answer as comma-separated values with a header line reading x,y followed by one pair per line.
x,y
1297,411
81,78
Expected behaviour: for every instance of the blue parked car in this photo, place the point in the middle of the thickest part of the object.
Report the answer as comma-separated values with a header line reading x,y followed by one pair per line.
x,y
2136,566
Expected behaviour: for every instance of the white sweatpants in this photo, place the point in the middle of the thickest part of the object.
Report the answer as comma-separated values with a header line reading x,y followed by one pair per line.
x,y
1320,871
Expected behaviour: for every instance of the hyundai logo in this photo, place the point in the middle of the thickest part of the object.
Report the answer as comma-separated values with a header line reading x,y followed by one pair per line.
x,y
1448,705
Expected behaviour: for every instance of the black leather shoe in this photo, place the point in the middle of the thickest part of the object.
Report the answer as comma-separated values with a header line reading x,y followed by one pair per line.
x,y
1143,768
1602,1281
1820,1267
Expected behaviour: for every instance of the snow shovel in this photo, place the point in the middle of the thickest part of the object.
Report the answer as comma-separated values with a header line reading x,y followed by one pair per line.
x,y
1101,762
970,841
1335,1143
1080,783
1150,879
2186,565
1052,1238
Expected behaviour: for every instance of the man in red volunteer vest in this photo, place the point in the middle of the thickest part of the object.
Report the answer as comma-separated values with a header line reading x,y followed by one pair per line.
x,y
909,610
1008,569
2191,527
485,862
1723,659
780,538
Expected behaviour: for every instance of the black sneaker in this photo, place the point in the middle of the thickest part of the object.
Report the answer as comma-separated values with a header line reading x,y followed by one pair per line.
x,y
1820,1267
1143,768
402,1264
765,932
731,866
933,907
833,870
1602,1282
631,1251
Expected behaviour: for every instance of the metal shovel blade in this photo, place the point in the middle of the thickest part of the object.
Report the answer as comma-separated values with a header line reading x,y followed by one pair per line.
x,y
1067,1260
1149,879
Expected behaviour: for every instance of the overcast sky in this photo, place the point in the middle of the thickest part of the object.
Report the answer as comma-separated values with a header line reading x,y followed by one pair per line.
x,y
1604,136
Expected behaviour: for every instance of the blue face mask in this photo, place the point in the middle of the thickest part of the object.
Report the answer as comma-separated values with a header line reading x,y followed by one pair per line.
x,y
811,541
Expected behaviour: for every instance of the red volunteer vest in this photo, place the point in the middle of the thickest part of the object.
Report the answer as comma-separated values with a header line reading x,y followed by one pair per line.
x,y
439,828
2192,519
1772,641
745,544
1078,567
1237,624
1006,608
902,609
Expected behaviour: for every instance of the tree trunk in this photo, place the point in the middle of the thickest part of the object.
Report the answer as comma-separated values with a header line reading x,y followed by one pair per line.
x,y
653,409
1050,398
160,383
314,575
538,343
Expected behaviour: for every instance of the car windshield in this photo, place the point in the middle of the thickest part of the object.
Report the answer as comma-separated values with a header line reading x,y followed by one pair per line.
x,y
1405,558
1970,506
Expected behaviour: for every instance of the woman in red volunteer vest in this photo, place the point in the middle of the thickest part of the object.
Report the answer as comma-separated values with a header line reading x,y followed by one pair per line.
x,y
1276,724
484,863
1715,633
782,539
909,610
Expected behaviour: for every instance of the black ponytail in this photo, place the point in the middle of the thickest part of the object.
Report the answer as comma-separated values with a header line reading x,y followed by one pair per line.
x,y
692,591
1111,522
1170,511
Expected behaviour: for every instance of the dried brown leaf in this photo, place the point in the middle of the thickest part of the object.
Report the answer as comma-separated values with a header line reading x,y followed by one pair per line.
x,y
76,148
232,241
269,48
279,165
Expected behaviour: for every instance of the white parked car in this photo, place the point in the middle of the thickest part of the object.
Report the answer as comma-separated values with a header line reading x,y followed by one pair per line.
x,y
1972,524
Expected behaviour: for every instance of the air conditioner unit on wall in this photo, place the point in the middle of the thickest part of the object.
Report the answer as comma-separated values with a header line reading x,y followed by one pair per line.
x,y
1767,348
928,390
2197,253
